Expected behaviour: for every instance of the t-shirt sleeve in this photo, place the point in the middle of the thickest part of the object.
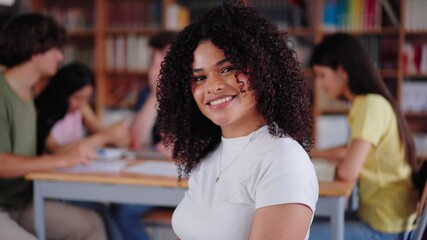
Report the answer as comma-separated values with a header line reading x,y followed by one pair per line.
x,y
287,177
370,119
5,140
57,133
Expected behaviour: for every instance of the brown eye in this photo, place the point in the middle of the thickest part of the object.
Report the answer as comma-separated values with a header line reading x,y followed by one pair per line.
x,y
227,69
198,78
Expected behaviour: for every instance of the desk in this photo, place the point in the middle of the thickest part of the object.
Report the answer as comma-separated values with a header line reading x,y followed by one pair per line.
x,y
150,190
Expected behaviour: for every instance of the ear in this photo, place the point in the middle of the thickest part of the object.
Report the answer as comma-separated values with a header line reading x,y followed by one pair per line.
x,y
342,73
243,80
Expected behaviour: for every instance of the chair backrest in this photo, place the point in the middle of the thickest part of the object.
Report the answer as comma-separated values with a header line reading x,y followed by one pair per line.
x,y
422,216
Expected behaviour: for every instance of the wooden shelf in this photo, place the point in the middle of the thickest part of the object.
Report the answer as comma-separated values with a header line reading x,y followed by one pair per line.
x,y
416,33
382,31
143,31
388,72
127,72
415,75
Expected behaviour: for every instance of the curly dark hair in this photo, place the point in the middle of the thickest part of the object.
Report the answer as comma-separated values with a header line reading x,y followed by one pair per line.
x,y
29,34
251,42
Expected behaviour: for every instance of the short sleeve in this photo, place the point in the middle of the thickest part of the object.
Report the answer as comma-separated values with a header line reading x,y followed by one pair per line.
x,y
68,130
287,177
5,140
369,118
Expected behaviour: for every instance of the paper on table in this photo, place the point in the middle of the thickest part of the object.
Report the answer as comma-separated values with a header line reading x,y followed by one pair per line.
x,y
159,168
98,167
109,154
325,171
144,154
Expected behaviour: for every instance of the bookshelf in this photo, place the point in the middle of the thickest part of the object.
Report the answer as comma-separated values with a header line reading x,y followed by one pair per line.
x,y
112,37
393,31
396,41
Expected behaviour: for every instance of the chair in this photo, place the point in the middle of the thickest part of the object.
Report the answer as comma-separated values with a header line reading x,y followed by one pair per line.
x,y
157,219
422,217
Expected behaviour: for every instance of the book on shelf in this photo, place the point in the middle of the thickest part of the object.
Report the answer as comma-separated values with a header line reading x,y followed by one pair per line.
x,y
72,18
383,50
177,17
286,14
416,17
84,54
134,14
122,91
414,96
415,58
352,14
127,53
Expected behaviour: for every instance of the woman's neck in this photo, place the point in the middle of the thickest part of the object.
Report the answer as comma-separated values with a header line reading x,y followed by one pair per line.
x,y
233,132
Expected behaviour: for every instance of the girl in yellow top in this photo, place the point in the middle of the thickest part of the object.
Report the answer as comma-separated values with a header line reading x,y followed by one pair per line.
x,y
380,153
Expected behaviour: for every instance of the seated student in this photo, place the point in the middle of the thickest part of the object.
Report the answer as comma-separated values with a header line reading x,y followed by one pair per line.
x,y
380,152
64,114
30,50
144,128
144,133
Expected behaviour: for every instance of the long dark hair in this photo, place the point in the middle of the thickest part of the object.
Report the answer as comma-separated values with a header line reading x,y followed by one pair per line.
x,y
52,103
344,50
250,42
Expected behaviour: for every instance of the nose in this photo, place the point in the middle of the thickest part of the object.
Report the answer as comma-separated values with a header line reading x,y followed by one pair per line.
x,y
214,83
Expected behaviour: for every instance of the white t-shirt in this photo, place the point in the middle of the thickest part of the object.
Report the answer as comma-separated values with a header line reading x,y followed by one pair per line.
x,y
258,170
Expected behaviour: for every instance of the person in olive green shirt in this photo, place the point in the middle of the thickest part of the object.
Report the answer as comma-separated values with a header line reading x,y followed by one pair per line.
x,y
380,154
30,50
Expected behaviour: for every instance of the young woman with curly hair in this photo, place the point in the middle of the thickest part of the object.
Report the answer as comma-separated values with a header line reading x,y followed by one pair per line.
x,y
233,104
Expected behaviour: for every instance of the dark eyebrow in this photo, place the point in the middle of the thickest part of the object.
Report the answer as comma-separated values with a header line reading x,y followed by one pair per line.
x,y
219,63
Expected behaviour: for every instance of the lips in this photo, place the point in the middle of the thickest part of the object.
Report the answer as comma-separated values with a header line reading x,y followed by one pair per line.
x,y
220,101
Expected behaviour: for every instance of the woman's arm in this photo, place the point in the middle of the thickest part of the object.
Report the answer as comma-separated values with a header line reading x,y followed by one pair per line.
x,y
96,140
12,166
279,222
144,122
92,123
117,134
333,155
349,169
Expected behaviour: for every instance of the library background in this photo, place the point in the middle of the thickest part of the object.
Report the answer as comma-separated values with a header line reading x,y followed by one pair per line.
x,y
112,37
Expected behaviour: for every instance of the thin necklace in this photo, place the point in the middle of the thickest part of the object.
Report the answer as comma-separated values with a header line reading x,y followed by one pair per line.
x,y
234,160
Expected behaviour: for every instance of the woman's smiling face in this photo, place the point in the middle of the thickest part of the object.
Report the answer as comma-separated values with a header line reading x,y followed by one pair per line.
x,y
218,94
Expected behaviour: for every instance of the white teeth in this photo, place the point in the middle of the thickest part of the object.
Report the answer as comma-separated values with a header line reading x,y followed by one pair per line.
x,y
219,101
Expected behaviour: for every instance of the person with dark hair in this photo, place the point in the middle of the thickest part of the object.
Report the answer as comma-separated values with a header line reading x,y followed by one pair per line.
x,y
380,152
30,50
64,115
144,131
233,104
145,135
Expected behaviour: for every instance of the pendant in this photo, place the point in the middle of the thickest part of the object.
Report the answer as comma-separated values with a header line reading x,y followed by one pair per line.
x,y
217,179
